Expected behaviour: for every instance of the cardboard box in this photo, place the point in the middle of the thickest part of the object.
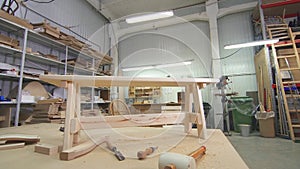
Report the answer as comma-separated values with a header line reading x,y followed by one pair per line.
x,y
266,123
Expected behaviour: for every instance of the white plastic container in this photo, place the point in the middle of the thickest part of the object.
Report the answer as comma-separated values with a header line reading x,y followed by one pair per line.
x,y
245,129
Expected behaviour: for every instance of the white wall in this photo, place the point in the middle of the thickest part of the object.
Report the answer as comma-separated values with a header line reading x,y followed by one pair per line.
x,y
168,45
238,64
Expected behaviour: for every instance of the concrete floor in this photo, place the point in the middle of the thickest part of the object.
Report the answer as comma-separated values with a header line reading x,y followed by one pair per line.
x,y
266,153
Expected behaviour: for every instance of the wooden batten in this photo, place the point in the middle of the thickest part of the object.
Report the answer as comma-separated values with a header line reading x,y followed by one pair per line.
x,y
20,137
131,120
11,146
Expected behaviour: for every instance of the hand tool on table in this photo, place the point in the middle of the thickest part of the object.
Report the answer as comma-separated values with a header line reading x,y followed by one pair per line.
x,y
114,149
180,161
143,154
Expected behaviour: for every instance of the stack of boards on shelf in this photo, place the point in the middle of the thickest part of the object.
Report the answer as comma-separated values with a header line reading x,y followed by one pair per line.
x,y
54,33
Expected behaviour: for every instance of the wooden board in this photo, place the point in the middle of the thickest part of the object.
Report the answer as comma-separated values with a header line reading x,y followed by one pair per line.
x,y
107,81
263,82
15,19
20,137
99,122
12,146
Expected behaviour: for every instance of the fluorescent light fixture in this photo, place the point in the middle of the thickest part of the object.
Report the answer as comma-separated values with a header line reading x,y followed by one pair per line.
x,y
149,17
254,43
184,63
137,68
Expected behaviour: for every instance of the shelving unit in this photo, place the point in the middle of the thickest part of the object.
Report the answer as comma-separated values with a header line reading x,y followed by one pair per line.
x,y
144,94
284,68
32,47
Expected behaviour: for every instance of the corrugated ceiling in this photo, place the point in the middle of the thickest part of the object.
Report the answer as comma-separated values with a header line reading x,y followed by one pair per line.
x,y
115,9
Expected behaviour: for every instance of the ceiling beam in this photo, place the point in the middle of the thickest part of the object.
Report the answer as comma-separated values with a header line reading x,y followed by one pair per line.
x,y
97,5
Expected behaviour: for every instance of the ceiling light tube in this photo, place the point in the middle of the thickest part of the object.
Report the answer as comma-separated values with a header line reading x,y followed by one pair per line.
x,y
137,68
249,44
184,63
174,64
149,17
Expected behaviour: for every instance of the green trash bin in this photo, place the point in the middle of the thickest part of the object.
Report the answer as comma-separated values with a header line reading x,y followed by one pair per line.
x,y
241,108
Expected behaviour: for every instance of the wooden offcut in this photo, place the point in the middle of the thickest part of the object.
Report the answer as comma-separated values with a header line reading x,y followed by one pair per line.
x,y
12,146
46,149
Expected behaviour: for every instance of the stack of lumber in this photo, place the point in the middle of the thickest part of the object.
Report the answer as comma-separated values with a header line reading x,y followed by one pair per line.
x,y
15,19
48,111
8,41
79,62
72,41
56,111
55,33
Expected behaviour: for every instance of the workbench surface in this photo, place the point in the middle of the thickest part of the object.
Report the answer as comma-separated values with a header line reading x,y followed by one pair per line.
x,y
220,153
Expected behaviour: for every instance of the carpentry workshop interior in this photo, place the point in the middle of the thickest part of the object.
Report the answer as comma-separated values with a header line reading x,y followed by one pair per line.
x,y
158,84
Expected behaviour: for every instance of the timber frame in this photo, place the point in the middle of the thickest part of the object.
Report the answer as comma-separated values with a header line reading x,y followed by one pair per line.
x,y
74,122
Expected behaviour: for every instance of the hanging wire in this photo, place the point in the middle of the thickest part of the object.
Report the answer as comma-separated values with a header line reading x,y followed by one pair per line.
x,y
41,2
228,55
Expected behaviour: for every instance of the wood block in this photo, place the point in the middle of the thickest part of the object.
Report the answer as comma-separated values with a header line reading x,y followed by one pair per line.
x,y
11,146
2,118
47,149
